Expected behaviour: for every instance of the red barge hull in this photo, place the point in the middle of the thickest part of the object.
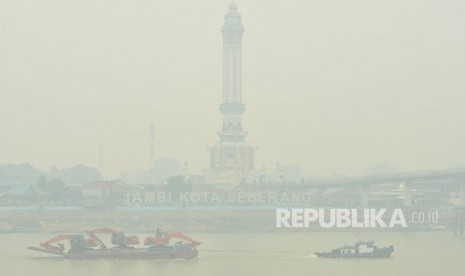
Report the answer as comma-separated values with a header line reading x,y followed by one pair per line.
x,y
134,254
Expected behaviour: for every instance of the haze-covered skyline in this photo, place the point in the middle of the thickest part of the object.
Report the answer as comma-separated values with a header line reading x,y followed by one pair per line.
x,y
331,86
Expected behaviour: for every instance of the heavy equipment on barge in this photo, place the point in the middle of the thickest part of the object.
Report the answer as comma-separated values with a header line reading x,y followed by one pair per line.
x,y
90,246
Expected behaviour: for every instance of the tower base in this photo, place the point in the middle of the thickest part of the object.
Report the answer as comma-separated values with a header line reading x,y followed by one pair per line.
x,y
232,162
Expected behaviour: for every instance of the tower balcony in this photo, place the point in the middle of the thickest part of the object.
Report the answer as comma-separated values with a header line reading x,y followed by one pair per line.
x,y
232,135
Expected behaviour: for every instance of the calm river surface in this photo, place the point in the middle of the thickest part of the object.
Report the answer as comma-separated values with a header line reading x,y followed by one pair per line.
x,y
239,254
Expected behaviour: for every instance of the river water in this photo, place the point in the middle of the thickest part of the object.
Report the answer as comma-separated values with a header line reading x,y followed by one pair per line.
x,y
240,254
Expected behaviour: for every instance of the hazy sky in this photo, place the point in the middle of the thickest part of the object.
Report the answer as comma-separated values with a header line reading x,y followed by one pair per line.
x,y
333,86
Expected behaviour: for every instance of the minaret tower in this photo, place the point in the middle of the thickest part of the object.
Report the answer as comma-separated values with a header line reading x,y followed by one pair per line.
x,y
232,157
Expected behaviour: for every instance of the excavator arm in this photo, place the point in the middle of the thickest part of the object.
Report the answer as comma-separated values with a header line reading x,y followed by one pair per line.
x,y
94,237
48,244
123,240
165,239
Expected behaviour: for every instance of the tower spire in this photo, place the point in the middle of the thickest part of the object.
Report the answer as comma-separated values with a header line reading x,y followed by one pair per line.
x,y
232,6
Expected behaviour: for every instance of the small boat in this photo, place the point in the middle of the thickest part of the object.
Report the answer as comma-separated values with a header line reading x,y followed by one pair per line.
x,y
92,247
361,249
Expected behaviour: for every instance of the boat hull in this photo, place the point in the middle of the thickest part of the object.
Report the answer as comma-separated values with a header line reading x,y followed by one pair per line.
x,y
378,253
